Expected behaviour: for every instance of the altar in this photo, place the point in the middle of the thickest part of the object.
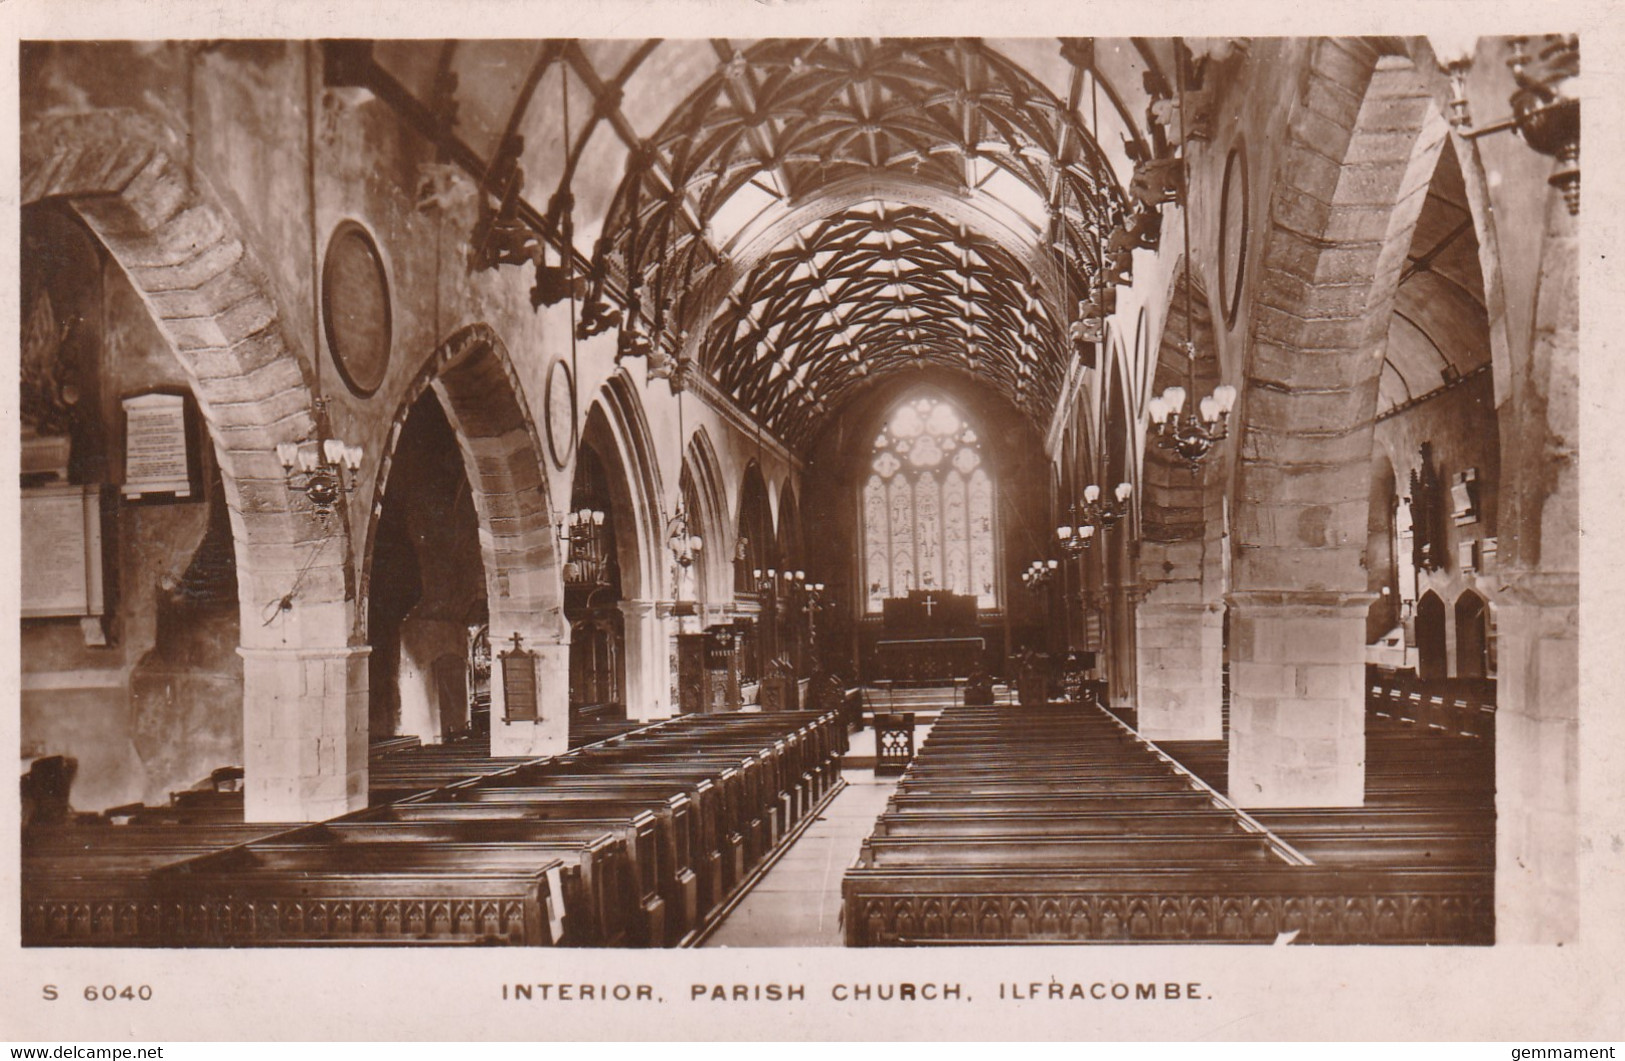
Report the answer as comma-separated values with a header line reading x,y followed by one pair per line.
x,y
928,636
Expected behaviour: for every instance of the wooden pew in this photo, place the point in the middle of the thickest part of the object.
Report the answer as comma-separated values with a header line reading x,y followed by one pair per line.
x,y
88,885
1257,905
307,895
1055,823
674,821
709,833
621,903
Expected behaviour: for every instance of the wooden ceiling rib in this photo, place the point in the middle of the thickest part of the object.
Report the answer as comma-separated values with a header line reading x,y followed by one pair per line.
x,y
703,140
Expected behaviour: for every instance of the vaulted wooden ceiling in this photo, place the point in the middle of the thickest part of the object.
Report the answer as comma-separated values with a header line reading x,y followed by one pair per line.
x,y
800,216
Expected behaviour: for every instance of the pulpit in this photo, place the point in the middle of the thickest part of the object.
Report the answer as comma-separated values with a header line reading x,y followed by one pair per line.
x,y
1032,681
929,636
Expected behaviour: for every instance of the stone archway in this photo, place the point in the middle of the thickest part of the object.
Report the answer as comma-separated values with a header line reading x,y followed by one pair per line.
x,y
1472,636
1432,651
1181,620
1117,546
1361,146
479,392
188,260
709,512
612,432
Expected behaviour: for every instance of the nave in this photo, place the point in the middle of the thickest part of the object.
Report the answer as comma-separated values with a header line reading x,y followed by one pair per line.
x,y
460,462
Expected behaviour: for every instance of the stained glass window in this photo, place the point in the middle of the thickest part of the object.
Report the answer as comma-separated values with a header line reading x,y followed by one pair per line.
x,y
927,507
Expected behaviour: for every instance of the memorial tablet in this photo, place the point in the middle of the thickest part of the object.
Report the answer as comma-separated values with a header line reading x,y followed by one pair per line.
x,y
155,458
519,684
62,551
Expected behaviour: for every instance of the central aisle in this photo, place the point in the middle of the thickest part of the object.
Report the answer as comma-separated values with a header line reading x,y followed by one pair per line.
x,y
798,902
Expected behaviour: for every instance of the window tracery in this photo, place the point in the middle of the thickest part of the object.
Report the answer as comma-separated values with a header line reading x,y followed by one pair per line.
x,y
927,507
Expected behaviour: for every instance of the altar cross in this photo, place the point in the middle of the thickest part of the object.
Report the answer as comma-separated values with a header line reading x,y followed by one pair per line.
x,y
930,603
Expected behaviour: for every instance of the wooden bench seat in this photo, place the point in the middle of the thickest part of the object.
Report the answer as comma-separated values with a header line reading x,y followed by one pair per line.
x,y
1017,825
1062,852
1040,802
675,819
1015,785
889,907
1058,823
638,834
719,852
279,894
740,808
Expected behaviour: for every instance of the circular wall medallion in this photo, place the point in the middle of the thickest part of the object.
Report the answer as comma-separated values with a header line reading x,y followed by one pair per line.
x,y
355,308
561,412
1233,234
1142,338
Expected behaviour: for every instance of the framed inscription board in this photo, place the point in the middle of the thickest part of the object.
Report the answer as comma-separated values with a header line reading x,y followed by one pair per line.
x,y
155,452
61,552
519,685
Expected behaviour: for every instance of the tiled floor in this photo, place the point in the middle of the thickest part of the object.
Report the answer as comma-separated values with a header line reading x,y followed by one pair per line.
x,y
798,902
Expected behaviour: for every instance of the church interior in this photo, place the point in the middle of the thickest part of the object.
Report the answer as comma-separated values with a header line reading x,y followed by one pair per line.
x,y
575,492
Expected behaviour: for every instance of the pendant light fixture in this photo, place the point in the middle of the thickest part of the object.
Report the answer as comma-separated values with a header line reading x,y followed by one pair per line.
x,y
323,469
1190,434
685,544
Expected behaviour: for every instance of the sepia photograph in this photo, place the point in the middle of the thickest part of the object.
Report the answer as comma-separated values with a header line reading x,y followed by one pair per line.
x,y
906,505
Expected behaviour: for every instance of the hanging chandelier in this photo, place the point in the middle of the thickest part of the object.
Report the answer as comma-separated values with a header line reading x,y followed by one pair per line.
x,y
681,536
1190,434
685,545
322,469
1039,573
1093,516
583,533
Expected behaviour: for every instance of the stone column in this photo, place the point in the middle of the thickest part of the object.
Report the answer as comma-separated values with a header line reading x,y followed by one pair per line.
x,y
304,732
1181,668
648,686
1537,750
1297,699
549,734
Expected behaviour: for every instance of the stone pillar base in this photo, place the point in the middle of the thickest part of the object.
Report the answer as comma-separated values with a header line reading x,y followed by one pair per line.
x,y
1297,699
1181,666
648,688
304,732
1537,752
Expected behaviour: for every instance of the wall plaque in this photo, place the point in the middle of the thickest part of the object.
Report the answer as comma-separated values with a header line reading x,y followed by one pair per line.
x,y
61,551
155,454
519,684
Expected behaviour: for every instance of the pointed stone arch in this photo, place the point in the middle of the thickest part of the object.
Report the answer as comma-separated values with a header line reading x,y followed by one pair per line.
x,y
1180,648
1361,146
709,495
628,426
617,429
474,381
754,527
188,260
